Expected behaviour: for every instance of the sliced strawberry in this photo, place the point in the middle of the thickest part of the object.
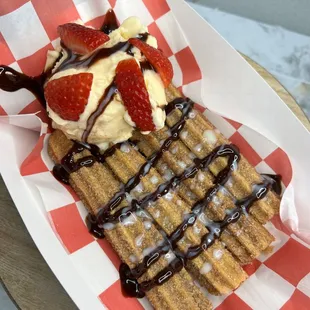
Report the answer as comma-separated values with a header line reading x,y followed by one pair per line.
x,y
68,95
130,83
80,39
157,59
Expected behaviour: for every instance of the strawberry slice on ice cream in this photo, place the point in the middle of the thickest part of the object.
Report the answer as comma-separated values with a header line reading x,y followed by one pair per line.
x,y
131,85
80,39
157,59
68,95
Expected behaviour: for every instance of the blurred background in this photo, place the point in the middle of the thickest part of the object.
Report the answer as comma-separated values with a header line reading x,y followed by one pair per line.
x,y
274,33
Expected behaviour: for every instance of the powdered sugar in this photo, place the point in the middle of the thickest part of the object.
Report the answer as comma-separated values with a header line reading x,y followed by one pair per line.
x,y
198,147
217,254
125,148
184,134
147,225
206,267
139,240
174,150
154,179
108,226
182,164
209,136
201,176
169,196
170,256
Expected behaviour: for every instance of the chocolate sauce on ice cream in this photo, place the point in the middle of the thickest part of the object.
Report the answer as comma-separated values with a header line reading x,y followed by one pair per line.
x,y
110,22
11,80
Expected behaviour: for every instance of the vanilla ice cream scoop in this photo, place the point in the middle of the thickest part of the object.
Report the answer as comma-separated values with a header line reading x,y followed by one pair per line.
x,y
104,123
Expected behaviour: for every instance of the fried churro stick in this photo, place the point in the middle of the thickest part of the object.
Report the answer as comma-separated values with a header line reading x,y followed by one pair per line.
x,y
95,186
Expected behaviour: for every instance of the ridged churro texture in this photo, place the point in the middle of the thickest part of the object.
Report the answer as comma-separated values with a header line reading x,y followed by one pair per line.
x,y
245,239
219,267
95,186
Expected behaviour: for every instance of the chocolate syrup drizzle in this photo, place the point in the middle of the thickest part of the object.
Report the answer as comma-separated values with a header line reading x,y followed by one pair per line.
x,y
106,98
63,170
110,22
129,277
11,80
104,215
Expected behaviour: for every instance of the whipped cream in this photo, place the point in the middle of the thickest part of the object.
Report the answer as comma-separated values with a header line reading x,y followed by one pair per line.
x,y
114,125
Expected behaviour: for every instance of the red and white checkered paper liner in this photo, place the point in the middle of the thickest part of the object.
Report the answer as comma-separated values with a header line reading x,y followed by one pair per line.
x,y
279,280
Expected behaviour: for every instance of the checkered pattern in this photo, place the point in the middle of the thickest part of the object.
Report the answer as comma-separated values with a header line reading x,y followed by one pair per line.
x,y
279,280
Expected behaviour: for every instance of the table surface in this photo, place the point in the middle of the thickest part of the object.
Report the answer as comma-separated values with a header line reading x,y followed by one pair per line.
x,y
25,274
